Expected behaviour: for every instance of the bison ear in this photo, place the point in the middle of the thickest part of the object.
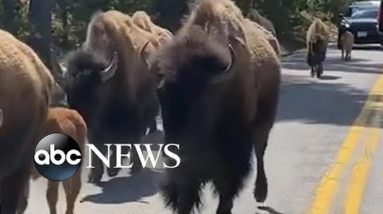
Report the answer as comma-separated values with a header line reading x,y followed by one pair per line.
x,y
111,69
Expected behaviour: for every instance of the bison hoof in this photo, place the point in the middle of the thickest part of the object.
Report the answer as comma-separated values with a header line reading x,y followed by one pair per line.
x,y
94,178
260,194
153,130
112,172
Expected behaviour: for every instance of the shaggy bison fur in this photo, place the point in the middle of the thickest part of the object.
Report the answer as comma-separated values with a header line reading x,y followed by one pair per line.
x,y
25,95
317,41
109,84
219,98
69,122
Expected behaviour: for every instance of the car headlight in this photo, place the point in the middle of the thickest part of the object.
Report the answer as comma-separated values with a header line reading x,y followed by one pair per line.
x,y
347,25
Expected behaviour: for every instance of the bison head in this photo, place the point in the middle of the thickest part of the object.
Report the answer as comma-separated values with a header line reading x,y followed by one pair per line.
x,y
86,77
191,62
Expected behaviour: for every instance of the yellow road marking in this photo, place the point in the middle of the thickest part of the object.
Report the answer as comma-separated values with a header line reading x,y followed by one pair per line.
x,y
329,184
356,187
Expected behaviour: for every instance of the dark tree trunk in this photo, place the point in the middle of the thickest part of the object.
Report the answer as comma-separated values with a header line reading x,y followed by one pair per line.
x,y
64,13
10,14
245,5
40,16
169,13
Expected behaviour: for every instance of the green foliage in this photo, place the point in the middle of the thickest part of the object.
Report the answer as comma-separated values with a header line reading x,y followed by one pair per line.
x,y
70,17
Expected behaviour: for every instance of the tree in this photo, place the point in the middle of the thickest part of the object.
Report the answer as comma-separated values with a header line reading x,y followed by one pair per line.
x,y
10,14
40,17
169,13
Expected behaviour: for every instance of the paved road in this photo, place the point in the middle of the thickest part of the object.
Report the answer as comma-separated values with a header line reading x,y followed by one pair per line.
x,y
324,156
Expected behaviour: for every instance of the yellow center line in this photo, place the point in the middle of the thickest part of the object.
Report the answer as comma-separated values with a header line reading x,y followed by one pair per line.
x,y
356,187
329,184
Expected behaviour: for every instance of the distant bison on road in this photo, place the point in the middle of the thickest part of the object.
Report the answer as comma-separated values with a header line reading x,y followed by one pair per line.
x,y
25,95
109,84
347,43
317,41
218,91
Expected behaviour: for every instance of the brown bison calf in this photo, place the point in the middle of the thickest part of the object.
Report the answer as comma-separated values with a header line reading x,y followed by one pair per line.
x,y
69,122
347,41
25,91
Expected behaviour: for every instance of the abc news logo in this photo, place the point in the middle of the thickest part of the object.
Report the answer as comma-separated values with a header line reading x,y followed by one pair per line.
x,y
58,157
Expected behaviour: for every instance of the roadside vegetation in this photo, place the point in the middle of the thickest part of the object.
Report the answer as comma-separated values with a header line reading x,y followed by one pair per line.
x,y
60,25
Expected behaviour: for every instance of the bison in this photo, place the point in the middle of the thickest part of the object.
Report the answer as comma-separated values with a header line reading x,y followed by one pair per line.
x,y
219,98
25,95
347,42
317,41
70,122
108,82
255,16
249,24
159,35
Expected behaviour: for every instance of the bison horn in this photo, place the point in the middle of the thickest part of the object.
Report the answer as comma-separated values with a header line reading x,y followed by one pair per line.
x,y
227,72
142,49
111,69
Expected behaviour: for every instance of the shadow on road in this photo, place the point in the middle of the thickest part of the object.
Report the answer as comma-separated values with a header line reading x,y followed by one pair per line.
x,y
329,77
270,210
311,101
324,102
363,47
334,63
127,189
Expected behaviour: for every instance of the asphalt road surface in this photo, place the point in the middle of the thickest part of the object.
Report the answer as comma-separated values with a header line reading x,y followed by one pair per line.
x,y
324,155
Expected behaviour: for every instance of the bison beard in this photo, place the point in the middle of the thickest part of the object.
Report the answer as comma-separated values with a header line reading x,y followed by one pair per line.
x,y
213,121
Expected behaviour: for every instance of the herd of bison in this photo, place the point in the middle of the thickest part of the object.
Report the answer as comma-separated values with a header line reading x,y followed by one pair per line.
x,y
215,84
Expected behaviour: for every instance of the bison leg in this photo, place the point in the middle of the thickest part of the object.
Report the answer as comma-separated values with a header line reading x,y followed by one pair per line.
x,y
227,188
181,192
319,70
72,189
349,56
52,196
343,54
112,170
261,139
135,159
312,71
14,187
153,126
169,192
23,201
189,196
98,170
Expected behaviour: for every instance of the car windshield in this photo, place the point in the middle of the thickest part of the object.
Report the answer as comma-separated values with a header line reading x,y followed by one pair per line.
x,y
352,10
361,14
